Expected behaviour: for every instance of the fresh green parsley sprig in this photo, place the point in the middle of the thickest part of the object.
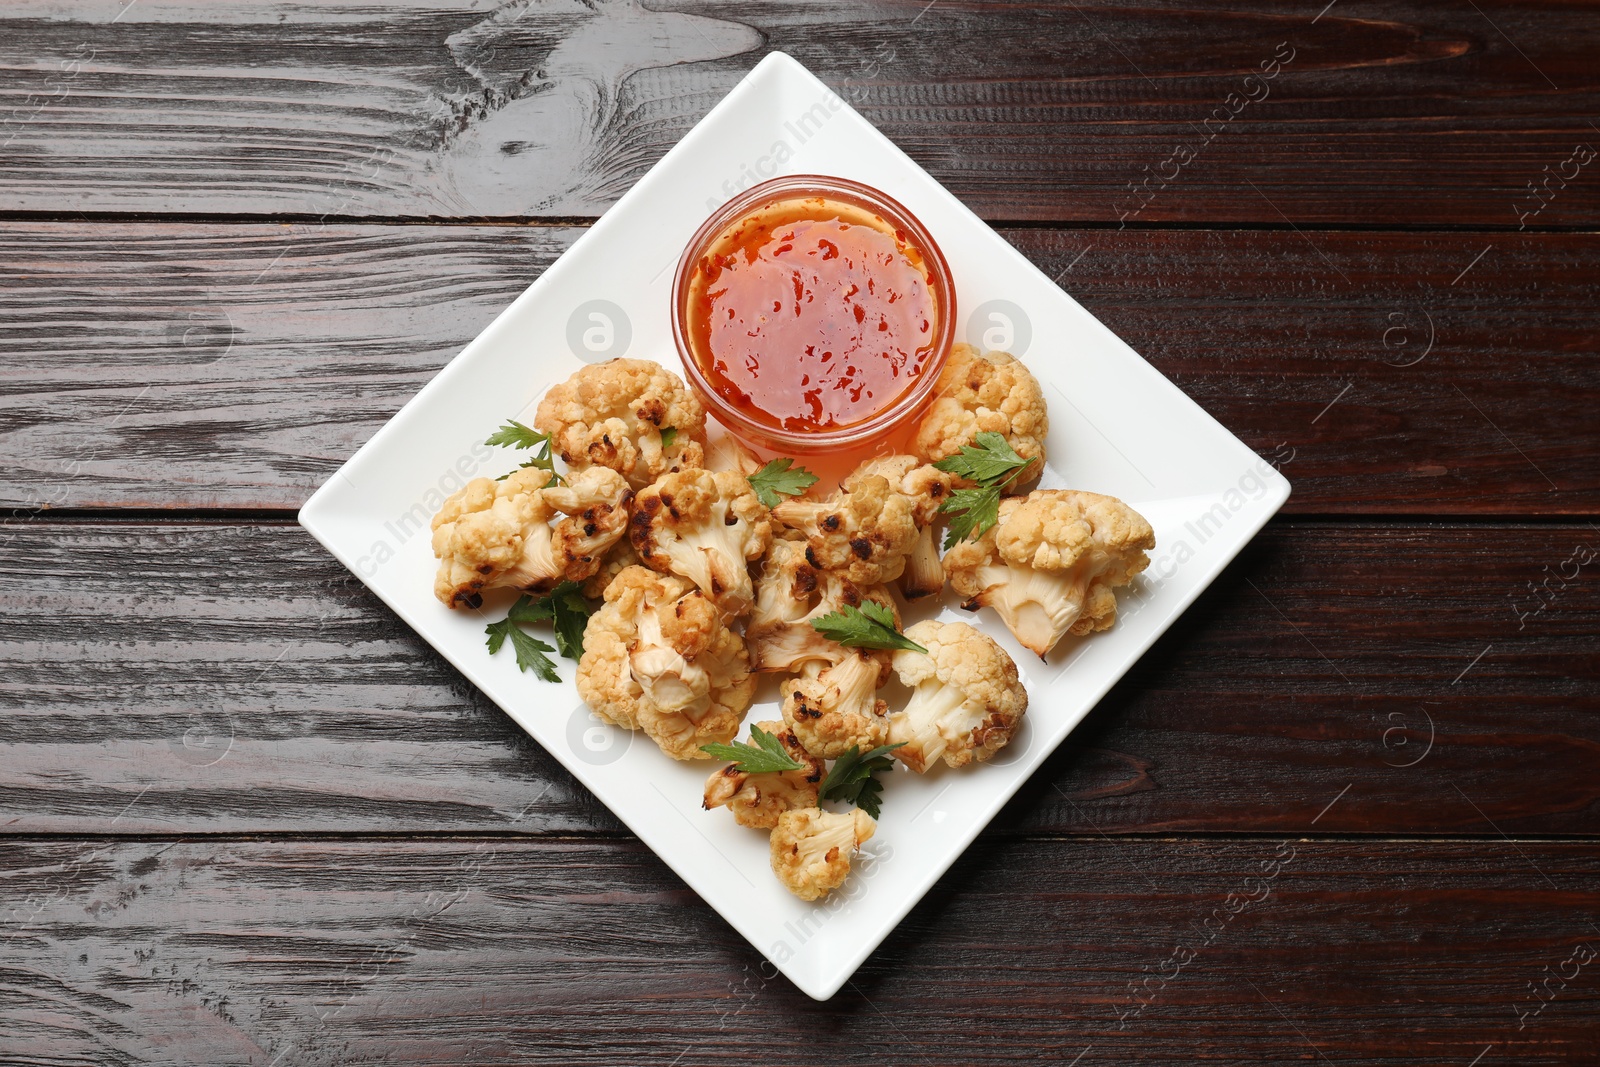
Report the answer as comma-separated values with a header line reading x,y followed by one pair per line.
x,y
669,437
869,626
564,608
529,649
994,465
852,778
778,477
766,756
515,435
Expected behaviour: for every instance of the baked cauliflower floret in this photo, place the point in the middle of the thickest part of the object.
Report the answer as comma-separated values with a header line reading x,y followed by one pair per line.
x,y
863,534
812,848
966,699
490,535
928,487
605,676
757,800
837,706
657,656
611,415
595,502
790,594
706,527
1049,566
497,535
984,391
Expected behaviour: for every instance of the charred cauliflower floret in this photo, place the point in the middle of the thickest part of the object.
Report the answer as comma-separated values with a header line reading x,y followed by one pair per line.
x,y
605,671
812,849
837,706
790,594
757,800
497,535
984,391
595,502
706,527
612,415
863,534
1049,566
966,699
494,534
658,657
928,487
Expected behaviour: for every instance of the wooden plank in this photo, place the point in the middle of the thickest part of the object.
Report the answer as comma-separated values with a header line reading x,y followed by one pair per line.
x,y
200,366
1373,679
511,951
1377,111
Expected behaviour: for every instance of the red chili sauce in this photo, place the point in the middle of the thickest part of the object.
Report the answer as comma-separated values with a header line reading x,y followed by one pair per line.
x,y
811,313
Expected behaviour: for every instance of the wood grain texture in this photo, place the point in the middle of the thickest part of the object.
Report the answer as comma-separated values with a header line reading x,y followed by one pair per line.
x,y
581,952
1346,678
1388,112
202,366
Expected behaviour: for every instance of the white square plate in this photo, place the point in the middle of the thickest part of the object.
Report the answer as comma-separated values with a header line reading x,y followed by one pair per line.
x,y
1116,426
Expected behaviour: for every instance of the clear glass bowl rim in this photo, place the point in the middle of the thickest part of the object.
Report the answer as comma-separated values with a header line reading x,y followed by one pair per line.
x,y
866,432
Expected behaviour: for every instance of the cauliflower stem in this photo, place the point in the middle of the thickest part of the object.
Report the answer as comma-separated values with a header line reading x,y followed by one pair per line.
x,y
934,713
1039,607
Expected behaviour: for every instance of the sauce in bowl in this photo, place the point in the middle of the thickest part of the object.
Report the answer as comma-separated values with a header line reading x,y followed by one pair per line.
x,y
813,314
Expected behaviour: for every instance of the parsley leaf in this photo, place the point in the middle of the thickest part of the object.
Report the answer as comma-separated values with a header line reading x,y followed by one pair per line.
x,y
529,649
515,435
994,465
765,756
669,435
869,626
776,477
987,463
851,779
972,512
565,608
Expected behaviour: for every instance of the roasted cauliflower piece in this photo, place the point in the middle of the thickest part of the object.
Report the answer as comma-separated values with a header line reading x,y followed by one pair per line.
x,y
831,708
496,535
812,848
928,487
984,391
863,533
790,594
757,800
966,699
612,415
491,534
1049,566
658,657
595,503
706,527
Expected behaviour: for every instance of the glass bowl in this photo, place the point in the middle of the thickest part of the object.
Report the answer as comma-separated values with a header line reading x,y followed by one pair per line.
x,y
889,216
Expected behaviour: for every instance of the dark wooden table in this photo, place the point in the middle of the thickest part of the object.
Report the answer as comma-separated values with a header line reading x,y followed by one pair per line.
x,y
250,818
